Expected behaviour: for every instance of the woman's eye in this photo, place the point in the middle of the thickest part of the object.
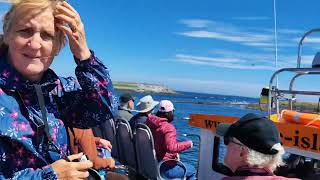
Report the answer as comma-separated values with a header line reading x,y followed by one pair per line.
x,y
26,32
46,36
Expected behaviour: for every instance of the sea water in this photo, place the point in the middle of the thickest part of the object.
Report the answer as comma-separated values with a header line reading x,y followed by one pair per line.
x,y
187,103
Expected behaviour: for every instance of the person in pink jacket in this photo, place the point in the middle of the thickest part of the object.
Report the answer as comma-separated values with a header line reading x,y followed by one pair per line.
x,y
165,141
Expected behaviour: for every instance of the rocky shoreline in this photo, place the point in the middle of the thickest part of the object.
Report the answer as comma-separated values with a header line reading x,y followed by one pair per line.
x,y
143,88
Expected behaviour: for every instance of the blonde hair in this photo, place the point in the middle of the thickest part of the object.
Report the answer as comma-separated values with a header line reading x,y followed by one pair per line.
x,y
271,162
20,8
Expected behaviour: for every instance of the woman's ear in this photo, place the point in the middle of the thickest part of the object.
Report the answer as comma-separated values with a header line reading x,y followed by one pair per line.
x,y
5,39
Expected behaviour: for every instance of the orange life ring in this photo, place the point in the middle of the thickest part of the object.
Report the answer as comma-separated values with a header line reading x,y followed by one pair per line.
x,y
307,119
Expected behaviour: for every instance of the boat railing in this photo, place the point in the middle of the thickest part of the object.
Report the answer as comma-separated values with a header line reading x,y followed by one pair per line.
x,y
301,44
276,93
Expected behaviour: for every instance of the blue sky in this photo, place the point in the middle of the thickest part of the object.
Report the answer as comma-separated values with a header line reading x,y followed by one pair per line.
x,y
222,47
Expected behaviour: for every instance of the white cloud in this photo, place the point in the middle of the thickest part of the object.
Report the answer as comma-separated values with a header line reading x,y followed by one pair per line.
x,y
207,59
251,18
254,38
261,38
223,62
243,60
196,23
260,44
242,55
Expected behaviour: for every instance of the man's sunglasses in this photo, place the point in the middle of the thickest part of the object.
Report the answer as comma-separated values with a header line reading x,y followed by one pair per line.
x,y
228,140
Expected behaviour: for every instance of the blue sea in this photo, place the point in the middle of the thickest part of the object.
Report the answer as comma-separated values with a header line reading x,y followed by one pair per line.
x,y
187,103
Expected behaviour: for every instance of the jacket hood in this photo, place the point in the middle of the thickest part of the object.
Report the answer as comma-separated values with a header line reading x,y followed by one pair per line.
x,y
155,122
10,78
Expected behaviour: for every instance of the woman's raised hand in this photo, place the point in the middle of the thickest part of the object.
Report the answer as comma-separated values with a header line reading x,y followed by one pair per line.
x,y
67,15
72,170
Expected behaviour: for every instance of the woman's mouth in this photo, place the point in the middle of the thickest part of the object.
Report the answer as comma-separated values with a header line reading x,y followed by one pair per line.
x,y
31,56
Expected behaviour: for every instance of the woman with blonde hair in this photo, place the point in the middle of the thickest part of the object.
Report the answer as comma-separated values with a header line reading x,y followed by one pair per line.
x,y
36,104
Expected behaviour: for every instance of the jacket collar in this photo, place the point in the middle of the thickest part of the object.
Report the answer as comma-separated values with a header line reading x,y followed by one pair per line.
x,y
252,171
124,109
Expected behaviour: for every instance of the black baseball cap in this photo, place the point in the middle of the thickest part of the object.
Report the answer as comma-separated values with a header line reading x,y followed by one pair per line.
x,y
254,131
126,98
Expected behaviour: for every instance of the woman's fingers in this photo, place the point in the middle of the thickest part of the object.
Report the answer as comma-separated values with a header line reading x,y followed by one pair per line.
x,y
65,10
65,29
80,166
74,29
75,156
109,149
72,170
67,5
68,10
71,35
70,21
82,175
68,15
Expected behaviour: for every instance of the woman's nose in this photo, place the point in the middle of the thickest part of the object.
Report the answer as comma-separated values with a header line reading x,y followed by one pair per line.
x,y
35,42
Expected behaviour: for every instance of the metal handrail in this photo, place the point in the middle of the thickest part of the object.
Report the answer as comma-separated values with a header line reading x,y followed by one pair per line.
x,y
292,82
300,44
311,93
273,89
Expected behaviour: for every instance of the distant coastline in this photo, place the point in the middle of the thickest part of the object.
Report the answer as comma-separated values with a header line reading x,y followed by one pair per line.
x,y
143,88
161,89
298,106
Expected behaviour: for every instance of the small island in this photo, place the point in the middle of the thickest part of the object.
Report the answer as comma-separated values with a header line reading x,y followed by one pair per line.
x,y
143,88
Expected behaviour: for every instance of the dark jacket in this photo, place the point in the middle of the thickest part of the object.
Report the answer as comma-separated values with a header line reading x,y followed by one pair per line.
x,y
138,118
165,141
82,102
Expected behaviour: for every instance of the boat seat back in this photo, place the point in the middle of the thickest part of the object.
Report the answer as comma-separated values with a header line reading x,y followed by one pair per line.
x,y
146,154
105,130
115,145
125,142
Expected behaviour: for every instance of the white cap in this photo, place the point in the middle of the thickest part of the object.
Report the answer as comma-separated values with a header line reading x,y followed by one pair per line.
x,y
165,106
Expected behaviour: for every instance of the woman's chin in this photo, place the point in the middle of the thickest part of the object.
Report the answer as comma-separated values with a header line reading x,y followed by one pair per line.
x,y
33,74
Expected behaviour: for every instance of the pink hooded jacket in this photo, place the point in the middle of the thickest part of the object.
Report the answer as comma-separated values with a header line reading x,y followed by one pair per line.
x,y
165,141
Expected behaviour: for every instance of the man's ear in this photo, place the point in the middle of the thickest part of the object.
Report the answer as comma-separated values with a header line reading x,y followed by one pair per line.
x,y
244,151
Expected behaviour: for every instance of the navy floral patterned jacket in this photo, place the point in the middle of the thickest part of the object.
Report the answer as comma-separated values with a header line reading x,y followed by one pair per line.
x,y
81,102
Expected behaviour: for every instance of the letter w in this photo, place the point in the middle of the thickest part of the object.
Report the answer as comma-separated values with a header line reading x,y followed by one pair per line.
x,y
209,123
